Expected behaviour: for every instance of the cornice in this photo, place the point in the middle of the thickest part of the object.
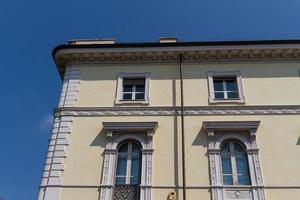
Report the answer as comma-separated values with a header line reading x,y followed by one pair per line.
x,y
171,111
112,55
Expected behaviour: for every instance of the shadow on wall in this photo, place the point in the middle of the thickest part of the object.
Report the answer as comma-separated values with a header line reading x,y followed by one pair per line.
x,y
201,138
298,142
100,139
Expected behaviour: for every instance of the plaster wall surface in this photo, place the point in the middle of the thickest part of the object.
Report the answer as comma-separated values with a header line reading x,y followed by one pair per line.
x,y
263,83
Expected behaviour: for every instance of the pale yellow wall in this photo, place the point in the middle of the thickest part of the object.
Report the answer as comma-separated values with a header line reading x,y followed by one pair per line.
x,y
277,139
263,83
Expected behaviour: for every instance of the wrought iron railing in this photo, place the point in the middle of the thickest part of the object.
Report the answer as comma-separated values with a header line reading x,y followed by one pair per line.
x,y
126,192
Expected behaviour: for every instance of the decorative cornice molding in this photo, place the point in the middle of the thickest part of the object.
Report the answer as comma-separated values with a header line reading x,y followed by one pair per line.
x,y
170,111
171,54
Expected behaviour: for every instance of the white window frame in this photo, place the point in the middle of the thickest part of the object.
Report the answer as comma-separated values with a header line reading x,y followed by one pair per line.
x,y
244,132
233,162
119,95
225,74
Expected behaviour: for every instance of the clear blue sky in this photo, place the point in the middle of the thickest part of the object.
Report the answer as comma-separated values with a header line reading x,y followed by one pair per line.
x,y
30,85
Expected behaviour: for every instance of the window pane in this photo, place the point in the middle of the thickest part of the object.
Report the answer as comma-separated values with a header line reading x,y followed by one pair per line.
x,y
140,88
238,148
124,148
225,148
219,95
127,96
135,148
122,165
231,85
242,170
135,169
226,165
227,180
134,81
140,96
120,181
127,88
232,95
218,85
244,179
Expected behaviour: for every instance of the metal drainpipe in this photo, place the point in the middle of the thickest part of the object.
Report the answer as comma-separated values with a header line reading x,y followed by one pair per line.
x,y
182,128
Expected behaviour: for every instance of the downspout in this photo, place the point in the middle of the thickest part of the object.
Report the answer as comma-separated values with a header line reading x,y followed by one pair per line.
x,y
182,127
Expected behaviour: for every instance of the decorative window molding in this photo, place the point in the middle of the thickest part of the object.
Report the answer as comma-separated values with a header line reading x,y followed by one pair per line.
x,y
134,100
235,75
244,132
116,133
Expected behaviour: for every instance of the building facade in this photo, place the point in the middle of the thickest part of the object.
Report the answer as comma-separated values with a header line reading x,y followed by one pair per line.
x,y
175,120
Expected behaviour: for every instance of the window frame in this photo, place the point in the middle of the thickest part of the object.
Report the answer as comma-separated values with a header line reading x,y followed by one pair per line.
x,y
129,162
244,132
119,93
225,74
233,162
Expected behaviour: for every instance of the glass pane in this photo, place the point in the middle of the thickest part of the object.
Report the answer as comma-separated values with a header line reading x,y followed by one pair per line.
x,y
134,81
226,165
219,95
232,95
120,181
139,96
121,169
225,148
124,148
218,85
135,148
244,179
135,164
242,170
140,88
127,88
227,180
238,148
231,85
135,169
127,96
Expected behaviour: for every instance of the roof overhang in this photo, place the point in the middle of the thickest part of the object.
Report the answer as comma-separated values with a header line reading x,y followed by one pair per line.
x,y
169,52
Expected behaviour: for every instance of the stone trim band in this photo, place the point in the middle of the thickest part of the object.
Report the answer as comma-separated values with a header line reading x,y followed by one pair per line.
x,y
170,111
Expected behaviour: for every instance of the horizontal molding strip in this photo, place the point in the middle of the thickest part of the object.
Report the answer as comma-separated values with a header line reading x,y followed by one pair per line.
x,y
171,111
174,187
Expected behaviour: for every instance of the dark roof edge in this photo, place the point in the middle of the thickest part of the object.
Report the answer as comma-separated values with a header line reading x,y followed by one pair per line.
x,y
178,44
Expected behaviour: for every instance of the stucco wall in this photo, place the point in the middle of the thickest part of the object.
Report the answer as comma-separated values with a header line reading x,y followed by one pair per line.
x,y
263,83
277,139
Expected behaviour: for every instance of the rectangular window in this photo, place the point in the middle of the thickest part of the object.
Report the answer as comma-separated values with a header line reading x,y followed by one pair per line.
x,y
133,88
225,87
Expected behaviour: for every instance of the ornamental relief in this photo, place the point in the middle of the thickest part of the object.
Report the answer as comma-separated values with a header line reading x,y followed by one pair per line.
x,y
238,195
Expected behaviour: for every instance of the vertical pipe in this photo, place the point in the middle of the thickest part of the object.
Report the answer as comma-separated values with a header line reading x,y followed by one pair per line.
x,y
182,128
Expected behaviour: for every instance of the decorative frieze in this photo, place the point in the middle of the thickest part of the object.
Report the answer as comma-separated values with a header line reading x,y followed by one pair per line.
x,y
171,54
170,111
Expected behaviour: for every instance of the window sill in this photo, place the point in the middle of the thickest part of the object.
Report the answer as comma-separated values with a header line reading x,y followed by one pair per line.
x,y
227,101
122,102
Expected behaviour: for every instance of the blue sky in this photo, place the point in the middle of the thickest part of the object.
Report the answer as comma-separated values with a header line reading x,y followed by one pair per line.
x,y
30,85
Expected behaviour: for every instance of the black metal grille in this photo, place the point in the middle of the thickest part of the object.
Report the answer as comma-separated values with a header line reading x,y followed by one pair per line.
x,y
126,192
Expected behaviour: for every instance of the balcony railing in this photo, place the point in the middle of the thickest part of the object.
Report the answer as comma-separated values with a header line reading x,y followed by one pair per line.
x,y
126,192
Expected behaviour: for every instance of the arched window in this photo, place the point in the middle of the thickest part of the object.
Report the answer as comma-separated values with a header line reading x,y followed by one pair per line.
x,y
128,172
235,169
